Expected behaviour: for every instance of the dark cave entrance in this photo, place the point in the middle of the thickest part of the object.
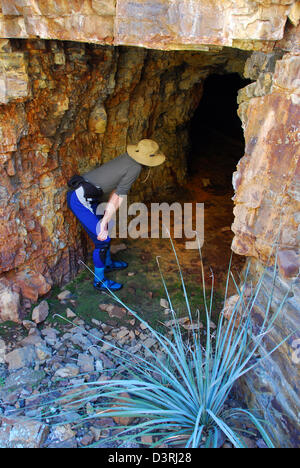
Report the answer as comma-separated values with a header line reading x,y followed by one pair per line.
x,y
217,140
216,146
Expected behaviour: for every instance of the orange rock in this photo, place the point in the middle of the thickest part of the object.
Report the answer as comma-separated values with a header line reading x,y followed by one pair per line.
x,y
32,284
122,400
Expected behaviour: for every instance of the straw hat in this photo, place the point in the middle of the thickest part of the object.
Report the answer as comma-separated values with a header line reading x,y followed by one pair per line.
x,y
146,152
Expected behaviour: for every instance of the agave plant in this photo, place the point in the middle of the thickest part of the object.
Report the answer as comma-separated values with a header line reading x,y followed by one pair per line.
x,y
180,400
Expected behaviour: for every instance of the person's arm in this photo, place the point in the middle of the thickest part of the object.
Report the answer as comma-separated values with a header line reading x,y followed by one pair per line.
x,y
117,198
113,205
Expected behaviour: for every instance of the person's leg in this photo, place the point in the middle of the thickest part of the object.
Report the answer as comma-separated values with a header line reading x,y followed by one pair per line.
x,y
112,265
90,223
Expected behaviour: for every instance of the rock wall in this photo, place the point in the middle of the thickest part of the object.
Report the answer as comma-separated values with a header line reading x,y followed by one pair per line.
x,y
267,206
272,388
162,24
267,178
66,108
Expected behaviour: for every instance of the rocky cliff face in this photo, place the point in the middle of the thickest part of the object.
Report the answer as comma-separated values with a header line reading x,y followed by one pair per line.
x,y
267,177
68,107
162,24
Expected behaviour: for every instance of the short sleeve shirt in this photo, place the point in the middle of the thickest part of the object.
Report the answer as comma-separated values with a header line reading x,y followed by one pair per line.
x,y
118,174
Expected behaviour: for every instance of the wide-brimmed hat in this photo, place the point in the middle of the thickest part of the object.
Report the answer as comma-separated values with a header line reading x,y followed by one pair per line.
x,y
146,152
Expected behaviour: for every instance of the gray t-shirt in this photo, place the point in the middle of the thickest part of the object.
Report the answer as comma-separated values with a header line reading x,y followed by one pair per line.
x,y
117,174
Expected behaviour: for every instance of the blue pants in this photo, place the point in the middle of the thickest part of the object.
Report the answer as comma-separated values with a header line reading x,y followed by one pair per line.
x,y
90,222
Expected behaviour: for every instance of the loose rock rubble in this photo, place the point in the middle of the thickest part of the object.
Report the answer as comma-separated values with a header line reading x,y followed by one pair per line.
x,y
37,367
46,358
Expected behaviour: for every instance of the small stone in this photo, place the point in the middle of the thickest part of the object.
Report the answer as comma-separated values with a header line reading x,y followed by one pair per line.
x,y
193,326
99,366
62,433
28,324
149,342
123,421
86,363
87,440
96,433
147,440
113,311
227,446
96,322
41,312
130,273
164,303
64,295
261,444
205,182
43,352
250,443
67,372
107,363
122,333
80,340
70,313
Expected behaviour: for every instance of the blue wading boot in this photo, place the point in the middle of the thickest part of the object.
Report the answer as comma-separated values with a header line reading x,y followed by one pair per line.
x,y
103,284
111,265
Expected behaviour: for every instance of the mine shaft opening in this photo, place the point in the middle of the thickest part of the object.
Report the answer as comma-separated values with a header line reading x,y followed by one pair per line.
x,y
216,146
217,139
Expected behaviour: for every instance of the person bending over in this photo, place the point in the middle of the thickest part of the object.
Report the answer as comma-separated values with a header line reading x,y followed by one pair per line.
x,y
110,181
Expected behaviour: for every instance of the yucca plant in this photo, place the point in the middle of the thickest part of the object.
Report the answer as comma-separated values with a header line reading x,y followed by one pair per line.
x,y
180,399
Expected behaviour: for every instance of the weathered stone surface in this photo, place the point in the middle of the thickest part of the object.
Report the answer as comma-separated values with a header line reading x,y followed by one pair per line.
x,y
21,357
86,363
14,80
98,119
267,179
32,284
161,24
273,387
171,25
67,372
9,302
62,433
21,378
40,313
2,351
22,433
294,14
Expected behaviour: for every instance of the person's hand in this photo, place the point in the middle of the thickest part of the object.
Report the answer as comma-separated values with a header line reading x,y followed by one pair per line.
x,y
103,234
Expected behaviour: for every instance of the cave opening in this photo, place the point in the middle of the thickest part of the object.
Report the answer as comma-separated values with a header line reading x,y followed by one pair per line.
x,y
216,134
216,146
